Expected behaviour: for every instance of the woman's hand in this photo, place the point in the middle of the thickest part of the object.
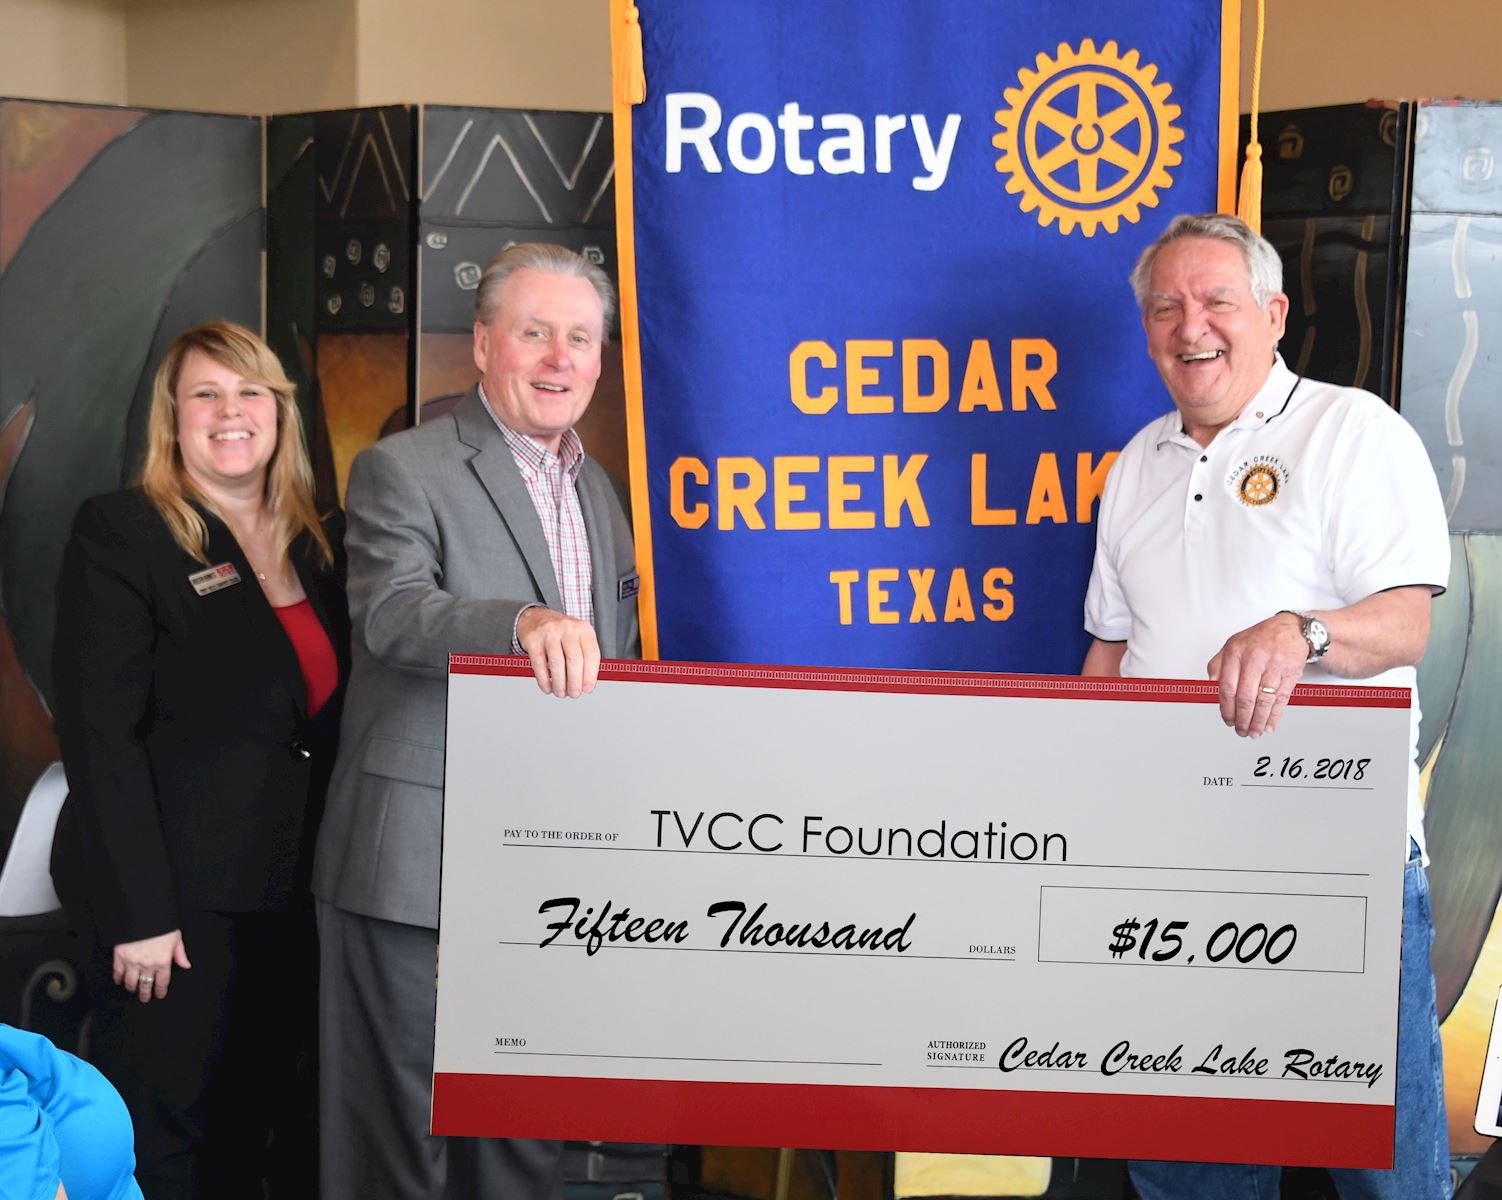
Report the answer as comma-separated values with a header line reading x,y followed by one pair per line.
x,y
145,967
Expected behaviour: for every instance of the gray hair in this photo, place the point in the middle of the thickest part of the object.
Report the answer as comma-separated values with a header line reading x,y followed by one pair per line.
x,y
1264,269
539,256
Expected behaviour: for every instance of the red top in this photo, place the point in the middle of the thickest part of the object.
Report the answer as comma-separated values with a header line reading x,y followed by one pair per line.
x,y
315,653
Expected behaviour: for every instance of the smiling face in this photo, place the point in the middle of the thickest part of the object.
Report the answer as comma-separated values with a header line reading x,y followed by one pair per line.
x,y
226,425
540,353
1210,342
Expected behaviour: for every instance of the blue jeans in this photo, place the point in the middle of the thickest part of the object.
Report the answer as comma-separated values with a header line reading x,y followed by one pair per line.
x,y
1421,1153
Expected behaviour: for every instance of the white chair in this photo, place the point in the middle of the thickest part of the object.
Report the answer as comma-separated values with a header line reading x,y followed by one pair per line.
x,y
26,879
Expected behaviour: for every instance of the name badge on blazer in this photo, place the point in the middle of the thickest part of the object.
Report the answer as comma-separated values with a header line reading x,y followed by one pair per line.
x,y
628,587
214,578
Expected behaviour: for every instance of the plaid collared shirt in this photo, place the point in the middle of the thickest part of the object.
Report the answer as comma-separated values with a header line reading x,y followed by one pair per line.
x,y
552,482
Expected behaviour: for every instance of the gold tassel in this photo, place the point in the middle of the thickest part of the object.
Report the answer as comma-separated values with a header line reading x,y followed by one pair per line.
x,y
630,79
1249,208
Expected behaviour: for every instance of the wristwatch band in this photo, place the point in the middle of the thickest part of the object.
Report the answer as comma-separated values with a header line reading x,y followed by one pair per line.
x,y
1316,634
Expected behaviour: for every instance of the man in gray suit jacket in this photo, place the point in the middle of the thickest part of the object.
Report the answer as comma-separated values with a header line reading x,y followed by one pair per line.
x,y
483,531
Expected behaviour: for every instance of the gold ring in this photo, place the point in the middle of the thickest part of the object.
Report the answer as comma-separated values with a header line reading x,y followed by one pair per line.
x,y
1267,691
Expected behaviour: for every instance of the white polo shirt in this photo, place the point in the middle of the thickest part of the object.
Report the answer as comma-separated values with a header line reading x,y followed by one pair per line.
x,y
1315,497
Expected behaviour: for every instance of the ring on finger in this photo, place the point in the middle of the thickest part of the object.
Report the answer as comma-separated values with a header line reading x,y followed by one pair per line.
x,y
1268,691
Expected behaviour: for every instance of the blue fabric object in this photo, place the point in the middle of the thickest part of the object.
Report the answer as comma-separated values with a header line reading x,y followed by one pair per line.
x,y
787,192
60,1120
1421,1152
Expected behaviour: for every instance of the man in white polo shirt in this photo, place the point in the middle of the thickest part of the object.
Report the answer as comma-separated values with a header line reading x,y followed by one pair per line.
x,y
1272,529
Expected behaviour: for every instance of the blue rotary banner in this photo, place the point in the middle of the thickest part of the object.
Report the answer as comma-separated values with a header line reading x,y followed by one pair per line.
x,y
880,345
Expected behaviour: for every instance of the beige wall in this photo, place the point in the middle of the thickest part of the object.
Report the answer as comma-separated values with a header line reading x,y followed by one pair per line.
x,y
291,55
1338,51
241,56
494,53
63,50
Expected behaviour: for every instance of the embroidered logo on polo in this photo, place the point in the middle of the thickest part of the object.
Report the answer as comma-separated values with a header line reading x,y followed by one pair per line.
x,y
1258,481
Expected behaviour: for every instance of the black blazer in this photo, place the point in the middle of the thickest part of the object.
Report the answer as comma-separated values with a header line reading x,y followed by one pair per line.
x,y
195,775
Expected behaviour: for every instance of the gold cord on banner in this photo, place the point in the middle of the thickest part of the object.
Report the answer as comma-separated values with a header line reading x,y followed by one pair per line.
x,y
630,78
1250,207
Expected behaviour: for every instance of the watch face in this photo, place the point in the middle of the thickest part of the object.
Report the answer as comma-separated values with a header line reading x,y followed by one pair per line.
x,y
1317,634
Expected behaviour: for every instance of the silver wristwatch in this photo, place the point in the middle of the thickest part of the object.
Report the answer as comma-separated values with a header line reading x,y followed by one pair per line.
x,y
1316,634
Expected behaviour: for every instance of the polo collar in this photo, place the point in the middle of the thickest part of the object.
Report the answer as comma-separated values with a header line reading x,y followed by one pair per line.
x,y
1271,400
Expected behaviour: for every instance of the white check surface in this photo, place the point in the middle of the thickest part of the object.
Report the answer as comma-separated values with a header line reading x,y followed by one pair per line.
x,y
1146,811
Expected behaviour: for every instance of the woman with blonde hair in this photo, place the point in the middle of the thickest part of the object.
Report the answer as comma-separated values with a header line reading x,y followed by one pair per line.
x,y
199,659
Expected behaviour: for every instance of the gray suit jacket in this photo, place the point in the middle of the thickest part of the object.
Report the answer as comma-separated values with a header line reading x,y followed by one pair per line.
x,y
445,548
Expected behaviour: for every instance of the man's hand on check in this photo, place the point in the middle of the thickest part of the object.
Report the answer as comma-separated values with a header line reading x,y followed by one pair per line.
x,y
1257,669
564,651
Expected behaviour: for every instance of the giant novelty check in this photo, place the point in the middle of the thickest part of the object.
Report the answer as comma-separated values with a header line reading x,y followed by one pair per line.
x,y
877,910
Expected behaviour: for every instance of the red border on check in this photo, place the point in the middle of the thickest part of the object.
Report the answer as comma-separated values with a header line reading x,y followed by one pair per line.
x,y
939,683
943,1120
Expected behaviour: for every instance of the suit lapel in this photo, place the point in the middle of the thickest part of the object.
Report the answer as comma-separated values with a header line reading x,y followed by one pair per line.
x,y
316,580
601,559
259,616
302,555
318,583
496,469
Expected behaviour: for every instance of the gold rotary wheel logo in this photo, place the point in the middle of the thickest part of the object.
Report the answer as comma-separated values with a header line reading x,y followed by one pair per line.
x,y
1258,485
1088,138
